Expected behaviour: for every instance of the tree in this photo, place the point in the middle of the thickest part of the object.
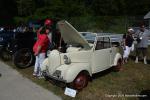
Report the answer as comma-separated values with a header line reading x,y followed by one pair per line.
x,y
62,9
25,7
7,11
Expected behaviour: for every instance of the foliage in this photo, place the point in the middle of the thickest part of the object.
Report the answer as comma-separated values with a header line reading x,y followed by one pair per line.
x,y
69,8
77,11
25,7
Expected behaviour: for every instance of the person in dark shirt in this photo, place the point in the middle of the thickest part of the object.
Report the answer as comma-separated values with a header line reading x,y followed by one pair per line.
x,y
127,43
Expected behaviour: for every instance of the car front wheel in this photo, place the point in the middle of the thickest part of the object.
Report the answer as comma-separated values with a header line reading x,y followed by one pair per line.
x,y
81,81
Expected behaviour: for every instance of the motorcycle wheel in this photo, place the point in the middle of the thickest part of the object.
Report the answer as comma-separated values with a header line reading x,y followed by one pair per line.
x,y
23,58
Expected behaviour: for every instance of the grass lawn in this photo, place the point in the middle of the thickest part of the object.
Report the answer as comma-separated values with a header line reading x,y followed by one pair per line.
x,y
108,85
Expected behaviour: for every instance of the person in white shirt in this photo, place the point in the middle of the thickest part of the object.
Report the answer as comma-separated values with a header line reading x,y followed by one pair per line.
x,y
142,40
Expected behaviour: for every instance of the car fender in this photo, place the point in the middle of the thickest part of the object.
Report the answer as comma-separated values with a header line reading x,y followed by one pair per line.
x,y
117,57
72,71
44,64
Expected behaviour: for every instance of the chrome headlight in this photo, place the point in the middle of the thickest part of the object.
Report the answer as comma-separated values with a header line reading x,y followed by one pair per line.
x,y
67,60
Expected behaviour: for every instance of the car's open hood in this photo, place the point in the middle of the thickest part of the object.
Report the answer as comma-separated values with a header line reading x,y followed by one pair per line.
x,y
71,35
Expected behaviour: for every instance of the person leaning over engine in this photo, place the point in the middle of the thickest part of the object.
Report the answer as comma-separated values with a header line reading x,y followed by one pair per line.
x,y
44,39
39,49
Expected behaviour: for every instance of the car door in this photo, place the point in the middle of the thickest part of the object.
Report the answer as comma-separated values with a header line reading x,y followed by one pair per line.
x,y
101,57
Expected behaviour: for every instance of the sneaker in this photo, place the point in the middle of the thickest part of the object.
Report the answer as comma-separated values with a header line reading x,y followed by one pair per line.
x,y
34,74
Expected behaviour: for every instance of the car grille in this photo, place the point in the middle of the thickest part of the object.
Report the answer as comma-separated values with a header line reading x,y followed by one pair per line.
x,y
57,74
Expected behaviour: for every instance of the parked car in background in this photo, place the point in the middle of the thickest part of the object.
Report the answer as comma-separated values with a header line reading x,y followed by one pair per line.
x,y
5,38
115,38
12,42
87,53
20,47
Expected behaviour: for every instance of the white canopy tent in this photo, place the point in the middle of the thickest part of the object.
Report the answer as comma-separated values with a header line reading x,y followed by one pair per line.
x,y
147,17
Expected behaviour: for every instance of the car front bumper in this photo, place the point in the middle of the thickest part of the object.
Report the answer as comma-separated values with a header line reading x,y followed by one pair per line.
x,y
51,77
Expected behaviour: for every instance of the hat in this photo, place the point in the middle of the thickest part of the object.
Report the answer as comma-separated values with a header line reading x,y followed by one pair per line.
x,y
130,30
48,22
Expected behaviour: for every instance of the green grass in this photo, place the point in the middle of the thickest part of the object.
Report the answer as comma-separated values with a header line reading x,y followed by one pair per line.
x,y
133,79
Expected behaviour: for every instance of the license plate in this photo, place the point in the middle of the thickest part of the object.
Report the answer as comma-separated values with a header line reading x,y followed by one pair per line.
x,y
70,92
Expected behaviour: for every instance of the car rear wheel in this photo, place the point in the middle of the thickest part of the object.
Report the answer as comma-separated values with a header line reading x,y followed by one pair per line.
x,y
23,58
118,67
81,81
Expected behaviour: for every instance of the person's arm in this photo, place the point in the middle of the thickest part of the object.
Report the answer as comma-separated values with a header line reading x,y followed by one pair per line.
x,y
39,30
124,40
38,50
33,28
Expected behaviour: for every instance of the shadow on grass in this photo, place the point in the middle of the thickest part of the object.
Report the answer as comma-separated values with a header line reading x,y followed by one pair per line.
x,y
57,83
145,95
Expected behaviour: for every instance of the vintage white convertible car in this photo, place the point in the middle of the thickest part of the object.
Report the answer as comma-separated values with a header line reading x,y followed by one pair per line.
x,y
87,53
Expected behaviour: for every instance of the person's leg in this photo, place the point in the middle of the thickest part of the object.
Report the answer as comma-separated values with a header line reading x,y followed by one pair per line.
x,y
126,53
36,66
137,55
144,52
132,47
41,59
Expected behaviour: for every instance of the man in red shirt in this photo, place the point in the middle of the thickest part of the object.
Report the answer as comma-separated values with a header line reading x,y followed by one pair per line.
x,y
40,48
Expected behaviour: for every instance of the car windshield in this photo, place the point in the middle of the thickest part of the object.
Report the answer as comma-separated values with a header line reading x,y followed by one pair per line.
x,y
90,37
